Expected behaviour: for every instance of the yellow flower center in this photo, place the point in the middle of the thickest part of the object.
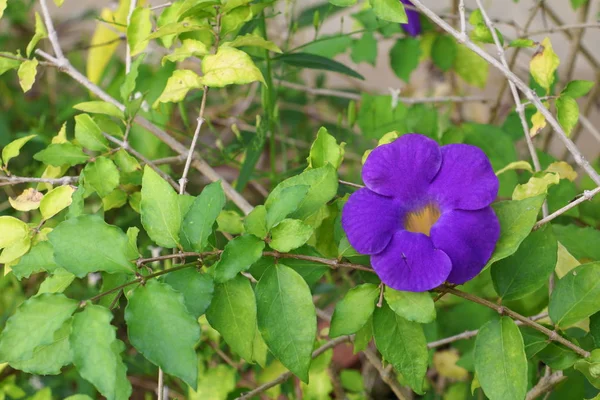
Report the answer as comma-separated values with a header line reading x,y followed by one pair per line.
x,y
422,220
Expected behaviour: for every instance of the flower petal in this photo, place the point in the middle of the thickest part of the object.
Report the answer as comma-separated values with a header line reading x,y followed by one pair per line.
x,y
411,263
370,220
403,168
466,179
469,238
413,27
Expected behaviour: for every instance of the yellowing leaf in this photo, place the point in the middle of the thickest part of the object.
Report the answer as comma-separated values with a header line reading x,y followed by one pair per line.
x,y
538,123
253,41
516,165
99,107
445,364
56,200
27,72
26,201
61,136
138,30
567,111
13,149
229,66
189,48
535,186
12,230
15,250
40,33
59,2
563,169
470,67
181,82
543,65
2,8
565,261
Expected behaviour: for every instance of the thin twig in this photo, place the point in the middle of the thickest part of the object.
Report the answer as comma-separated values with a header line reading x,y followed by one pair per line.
x,y
463,21
576,42
351,184
52,34
385,374
565,27
160,388
332,263
545,384
14,180
158,7
586,195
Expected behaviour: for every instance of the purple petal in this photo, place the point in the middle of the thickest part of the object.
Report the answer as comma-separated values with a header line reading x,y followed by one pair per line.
x,y
413,28
411,263
468,238
466,179
403,168
370,221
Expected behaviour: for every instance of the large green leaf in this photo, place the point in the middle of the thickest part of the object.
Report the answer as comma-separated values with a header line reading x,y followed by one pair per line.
x,y
286,318
197,289
200,218
354,310
576,296
238,255
161,215
233,313
313,61
500,360
33,325
87,244
413,306
403,344
529,268
160,327
96,352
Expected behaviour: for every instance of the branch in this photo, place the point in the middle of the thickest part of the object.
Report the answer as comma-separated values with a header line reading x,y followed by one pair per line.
x,y
545,384
132,5
52,34
15,180
565,27
463,21
586,195
385,374
287,375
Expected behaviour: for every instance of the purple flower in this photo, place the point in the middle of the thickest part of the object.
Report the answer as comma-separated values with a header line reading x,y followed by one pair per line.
x,y
413,27
424,216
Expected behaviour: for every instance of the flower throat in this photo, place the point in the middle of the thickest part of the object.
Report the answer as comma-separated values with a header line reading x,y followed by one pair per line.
x,y
421,220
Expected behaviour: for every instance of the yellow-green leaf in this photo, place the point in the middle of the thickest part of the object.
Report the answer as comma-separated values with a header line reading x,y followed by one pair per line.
x,y
138,30
189,48
27,72
516,165
2,7
563,169
567,112
99,107
56,200
6,64
175,28
181,82
538,122
325,149
12,229
13,149
535,186
470,67
252,40
26,201
229,66
15,250
543,65
59,2
389,10
40,33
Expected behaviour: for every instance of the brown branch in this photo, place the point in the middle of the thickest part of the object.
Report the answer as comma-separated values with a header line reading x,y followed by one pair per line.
x,y
15,180
545,384
586,195
385,374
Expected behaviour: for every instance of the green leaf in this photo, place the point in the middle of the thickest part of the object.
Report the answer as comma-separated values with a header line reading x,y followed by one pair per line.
x,y
138,30
160,327
567,112
233,314
238,255
413,306
536,186
6,64
516,217
443,52
365,49
524,165
128,85
558,357
58,154
252,40
46,313
235,18
40,33
178,85
15,250
13,149
363,336
229,66
354,310
100,107
401,343
256,222
538,252
198,223
56,200
89,134
58,282
286,318
500,360
580,241
39,258
27,72
290,234
325,150
577,88
314,61
576,296
470,67
87,244
102,175
161,216
329,46
376,117
543,65
229,221
404,56
12,229
96,352
534,340
577,3
189,48
282,203
389,10
176,28
522,43
129,168
197,289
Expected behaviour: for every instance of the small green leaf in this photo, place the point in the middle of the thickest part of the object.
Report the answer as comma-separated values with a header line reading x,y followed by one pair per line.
x,y
413,306
229,221
536,186
534,340
160,327
577,3
470,67
404,56
521,43
138,30
443,52
290,234
354,310
233,314
389,10
238,255
96,352
128,85
100,107
12,229
161,216
189,48
197,289
176,28
256,222
87,244
577,88
286,318
129,168
56,200
343,3
282,203
58,154
198,223
13,149
40,33
178,85
365,49
229,66
89,134
576,296
46,313
402,343
543,65
252,40
27,72
567,111
314,61
325,149
524,165
102,175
